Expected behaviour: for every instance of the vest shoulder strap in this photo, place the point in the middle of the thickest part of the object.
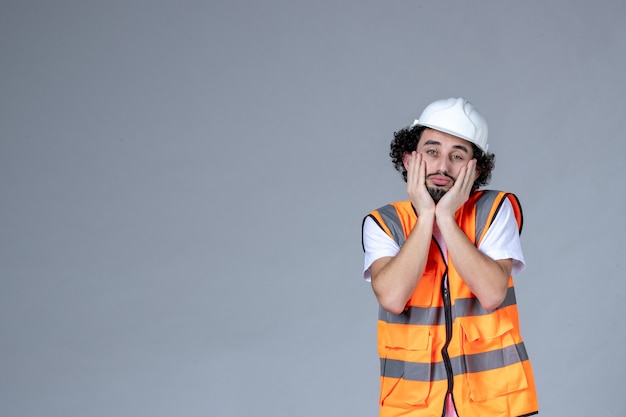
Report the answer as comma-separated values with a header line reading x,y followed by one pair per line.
x,y
487,207
389,219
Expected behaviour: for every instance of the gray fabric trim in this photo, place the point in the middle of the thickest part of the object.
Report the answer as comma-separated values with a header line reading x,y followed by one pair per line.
x,y
435,316
483,207
392,220
426,372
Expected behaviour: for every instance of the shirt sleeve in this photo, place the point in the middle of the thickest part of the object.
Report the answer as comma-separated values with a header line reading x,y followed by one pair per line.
x,y
502,239
377,244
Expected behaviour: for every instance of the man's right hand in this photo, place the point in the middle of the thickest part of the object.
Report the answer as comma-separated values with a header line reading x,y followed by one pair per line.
x,y
416,184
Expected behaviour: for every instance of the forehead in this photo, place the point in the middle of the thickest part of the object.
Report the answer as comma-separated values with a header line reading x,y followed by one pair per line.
x,y
431,137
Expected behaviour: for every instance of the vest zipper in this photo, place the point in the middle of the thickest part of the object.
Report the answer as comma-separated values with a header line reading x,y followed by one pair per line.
x,y
447,307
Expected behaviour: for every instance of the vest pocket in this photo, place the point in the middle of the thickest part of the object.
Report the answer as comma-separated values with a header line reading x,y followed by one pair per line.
x,y
493,366
405,366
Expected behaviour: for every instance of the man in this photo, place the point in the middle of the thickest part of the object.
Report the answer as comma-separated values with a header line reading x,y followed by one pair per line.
x,y
441,267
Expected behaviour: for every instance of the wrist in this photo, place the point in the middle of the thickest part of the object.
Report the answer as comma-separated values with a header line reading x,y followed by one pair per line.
x,y
445,219
425,214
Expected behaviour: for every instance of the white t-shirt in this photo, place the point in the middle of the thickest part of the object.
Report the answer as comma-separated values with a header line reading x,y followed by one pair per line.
x,y
501,241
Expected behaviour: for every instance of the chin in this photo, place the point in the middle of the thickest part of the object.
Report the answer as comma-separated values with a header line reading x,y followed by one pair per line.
x,y
436,193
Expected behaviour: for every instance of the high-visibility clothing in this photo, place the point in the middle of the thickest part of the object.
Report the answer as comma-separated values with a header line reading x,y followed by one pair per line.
x,y
445,341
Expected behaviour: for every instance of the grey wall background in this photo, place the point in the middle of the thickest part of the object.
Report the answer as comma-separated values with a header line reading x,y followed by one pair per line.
x,y
182,186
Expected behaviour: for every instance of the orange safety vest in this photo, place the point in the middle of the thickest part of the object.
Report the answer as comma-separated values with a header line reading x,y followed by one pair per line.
x,y
445,341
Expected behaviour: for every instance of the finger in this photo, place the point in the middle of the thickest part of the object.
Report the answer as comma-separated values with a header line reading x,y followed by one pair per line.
x,y
421,178
459,180
470,174
466,180
411,172
462,181
415,164
417,173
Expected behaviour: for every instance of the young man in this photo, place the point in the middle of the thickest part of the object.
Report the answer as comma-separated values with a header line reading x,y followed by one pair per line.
x,y
441,267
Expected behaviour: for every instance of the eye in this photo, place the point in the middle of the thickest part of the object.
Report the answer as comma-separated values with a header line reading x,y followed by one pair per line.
x,y
457,157
431,152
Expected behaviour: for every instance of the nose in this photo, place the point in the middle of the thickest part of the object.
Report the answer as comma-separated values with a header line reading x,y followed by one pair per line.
x,y
443,165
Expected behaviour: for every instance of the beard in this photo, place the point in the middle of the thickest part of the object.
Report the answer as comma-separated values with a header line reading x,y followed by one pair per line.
x,y
436,193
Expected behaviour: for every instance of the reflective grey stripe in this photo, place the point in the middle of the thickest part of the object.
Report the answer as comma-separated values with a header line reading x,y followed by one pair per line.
x,y
466,307
391,219
495,359
426,372
434,316
413,371
483,207
431,316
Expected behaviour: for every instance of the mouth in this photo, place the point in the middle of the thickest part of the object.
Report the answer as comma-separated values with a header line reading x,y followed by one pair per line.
x,y
441,180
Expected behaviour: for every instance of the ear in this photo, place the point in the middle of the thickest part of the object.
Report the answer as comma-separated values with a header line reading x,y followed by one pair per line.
x,y
476,174
405,160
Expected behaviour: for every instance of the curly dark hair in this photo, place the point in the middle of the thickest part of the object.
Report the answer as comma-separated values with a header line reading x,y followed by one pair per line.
x,y
405,141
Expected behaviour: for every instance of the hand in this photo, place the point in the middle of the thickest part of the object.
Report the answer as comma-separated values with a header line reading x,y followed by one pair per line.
x,y
459,193
416,184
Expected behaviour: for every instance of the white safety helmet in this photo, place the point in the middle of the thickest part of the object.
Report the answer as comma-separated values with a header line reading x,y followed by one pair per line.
x,y
457,117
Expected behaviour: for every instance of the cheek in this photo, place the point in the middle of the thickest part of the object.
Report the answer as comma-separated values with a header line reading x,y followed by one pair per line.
x,y
428,159
456,169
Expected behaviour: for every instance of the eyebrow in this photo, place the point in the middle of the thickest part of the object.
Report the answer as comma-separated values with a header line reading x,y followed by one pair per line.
x,y
437,143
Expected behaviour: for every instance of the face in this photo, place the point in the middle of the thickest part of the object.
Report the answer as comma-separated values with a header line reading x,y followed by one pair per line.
x,y
445,155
